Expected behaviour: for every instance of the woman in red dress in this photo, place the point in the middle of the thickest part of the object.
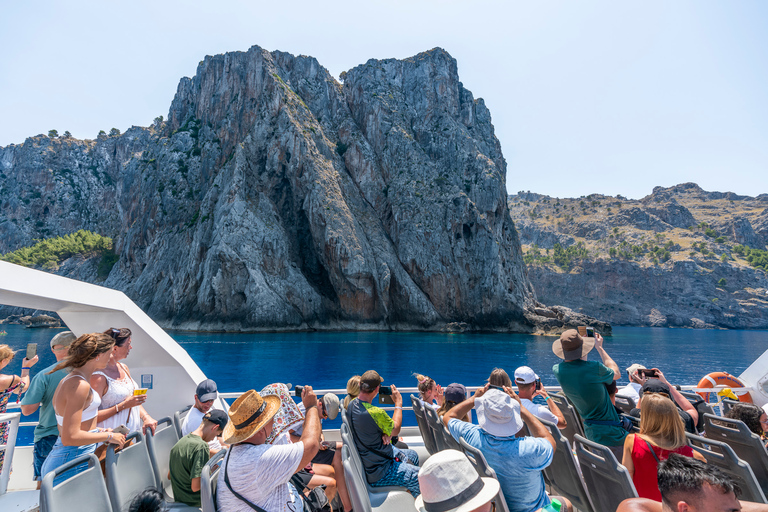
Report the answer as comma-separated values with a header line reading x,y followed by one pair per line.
x,y
661,432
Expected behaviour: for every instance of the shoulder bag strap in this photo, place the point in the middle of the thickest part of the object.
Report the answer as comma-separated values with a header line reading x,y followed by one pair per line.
x,y
652,451
235,493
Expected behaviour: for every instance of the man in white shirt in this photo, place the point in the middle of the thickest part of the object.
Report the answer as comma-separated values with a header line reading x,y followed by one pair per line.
x,y
205,396
254,472
636,381
529,386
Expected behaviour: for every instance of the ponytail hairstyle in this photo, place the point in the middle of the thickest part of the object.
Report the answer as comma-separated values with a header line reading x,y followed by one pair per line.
x,y
499,378
84,349
425,384
353,389
120,335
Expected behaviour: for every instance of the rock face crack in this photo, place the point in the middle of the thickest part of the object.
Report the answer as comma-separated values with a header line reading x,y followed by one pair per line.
x,y
275,197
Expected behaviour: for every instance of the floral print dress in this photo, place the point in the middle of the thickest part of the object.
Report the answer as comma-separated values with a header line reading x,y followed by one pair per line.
x,y
5,427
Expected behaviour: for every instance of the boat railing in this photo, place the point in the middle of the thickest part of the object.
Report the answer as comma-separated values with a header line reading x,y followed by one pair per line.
x,y
8,448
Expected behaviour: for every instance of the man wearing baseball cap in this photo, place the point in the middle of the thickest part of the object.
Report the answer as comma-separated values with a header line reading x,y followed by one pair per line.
x,y
372,430
40,394
190,454
583,382
518,462
636,381
205,396
529,386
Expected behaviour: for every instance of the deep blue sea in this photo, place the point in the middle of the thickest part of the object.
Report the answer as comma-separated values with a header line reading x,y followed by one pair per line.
x,y
238,362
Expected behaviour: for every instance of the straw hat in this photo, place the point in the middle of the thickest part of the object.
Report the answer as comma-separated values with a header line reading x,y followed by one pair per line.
x,y
248,414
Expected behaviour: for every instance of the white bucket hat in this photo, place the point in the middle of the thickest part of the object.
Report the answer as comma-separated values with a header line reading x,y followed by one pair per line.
x,y
449,483
498,413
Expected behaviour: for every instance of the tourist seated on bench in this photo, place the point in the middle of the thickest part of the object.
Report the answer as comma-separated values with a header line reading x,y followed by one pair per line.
x,y
518,462
372,430
205,397
689,485
448,482
254,472
661,433
327,462
636,381
190,454
755,418
430,392
454,395
529,386
660,386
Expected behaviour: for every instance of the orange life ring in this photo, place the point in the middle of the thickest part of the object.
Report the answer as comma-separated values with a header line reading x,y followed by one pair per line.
x,y
722,379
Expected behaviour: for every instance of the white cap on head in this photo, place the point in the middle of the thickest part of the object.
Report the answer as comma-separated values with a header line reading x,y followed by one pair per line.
x,y
449,483
525,375
632,369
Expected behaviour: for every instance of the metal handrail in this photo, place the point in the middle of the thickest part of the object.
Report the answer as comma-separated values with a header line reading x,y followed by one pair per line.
x,y
5,474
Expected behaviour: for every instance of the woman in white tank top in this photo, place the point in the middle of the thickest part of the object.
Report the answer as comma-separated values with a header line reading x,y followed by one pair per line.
x,y
114,383
75,405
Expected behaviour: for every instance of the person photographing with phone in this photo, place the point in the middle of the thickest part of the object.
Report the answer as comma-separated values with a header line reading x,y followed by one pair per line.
x,y
656,383
372,430
10,384
529,386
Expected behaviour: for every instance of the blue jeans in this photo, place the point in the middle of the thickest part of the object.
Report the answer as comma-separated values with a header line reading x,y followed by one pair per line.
x,y
42,448
61,454
403,474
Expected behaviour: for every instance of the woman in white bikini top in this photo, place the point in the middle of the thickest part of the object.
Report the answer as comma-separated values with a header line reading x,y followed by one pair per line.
x,y
75,403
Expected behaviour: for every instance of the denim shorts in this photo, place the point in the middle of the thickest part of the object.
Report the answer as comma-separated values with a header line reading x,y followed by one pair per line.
x,y
42,448
403,474
61,454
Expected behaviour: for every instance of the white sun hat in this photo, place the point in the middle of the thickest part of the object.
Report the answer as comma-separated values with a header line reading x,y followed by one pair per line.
x,y
449,483
498,413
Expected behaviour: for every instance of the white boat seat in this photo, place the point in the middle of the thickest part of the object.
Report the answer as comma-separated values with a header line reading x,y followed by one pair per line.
x,y
573,421
346,438
426,432
747,445
562,475
209,478
607,482
178,419
722,455
159,446
625,403
84,492
365,500
129,472
478,461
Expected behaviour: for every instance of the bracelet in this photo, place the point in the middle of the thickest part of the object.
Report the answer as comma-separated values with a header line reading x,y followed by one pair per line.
x,y
547,398
23,368
117,408
399,407
109,437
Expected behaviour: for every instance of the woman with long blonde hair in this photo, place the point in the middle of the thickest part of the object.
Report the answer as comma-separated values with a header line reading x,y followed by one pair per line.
x,y
76,405
353,389
662,432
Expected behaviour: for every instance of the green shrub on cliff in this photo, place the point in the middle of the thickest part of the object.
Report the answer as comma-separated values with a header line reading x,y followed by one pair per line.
x,y
49,253
758,258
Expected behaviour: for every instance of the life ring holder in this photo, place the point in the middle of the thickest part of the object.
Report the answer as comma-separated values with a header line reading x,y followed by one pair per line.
x,y
711,380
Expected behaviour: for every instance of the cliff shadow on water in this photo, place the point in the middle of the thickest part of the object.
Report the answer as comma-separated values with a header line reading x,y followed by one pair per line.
x,y
275,197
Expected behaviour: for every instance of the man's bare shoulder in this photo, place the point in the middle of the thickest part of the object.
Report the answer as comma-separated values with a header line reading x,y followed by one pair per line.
x,y
639,505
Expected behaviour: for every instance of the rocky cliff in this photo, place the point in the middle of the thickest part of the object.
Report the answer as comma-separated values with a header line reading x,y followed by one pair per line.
x,y
276,197
680,257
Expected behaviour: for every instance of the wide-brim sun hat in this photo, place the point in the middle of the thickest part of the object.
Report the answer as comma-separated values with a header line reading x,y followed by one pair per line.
x,y
248,414
498,413
449,483
572,346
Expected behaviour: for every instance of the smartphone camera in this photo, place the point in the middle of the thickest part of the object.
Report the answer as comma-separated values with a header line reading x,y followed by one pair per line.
x,y
385,390
538,384
590,332
298,390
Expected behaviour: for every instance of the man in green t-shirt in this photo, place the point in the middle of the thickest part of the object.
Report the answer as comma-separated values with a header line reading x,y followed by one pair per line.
x,y
583,382
40,394
190,454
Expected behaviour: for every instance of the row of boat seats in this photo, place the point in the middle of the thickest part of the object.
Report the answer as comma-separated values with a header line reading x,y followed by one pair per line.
x,y
364,497
625,403
128,472
427,434
477,459
607,482
573,425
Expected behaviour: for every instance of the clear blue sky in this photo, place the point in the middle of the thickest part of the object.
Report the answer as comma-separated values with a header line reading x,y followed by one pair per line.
x,y
589,96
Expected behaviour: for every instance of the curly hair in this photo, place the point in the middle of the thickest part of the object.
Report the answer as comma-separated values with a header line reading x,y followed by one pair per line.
x,y
749,414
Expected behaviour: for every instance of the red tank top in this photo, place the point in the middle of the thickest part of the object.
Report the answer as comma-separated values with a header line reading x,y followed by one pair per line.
x,y
646,467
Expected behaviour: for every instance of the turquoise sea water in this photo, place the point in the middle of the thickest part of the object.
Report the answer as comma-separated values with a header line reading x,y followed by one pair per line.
x,y
238,362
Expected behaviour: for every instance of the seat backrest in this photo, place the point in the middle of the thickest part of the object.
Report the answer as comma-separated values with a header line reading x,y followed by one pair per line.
x,y
608,482
478,461
625,403
635,422
356,488
700,405
436,426
128,472
573,422
562,474
178,419
450,442
727,404
421,420
84,492
747,445
723,456
159,445
209,478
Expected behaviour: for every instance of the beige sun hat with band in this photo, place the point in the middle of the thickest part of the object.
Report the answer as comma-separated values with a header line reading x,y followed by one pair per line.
x,y
572,346
248,414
